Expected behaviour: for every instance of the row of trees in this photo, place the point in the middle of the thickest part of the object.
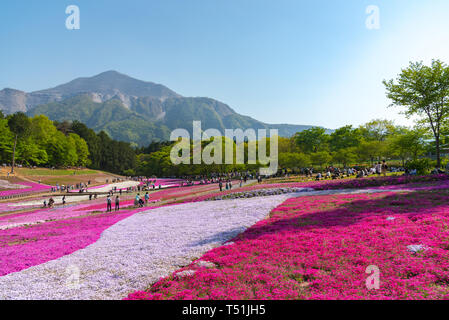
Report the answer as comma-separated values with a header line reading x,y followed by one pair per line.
x,y
159,163
422,91
105,153
378,139
42,142
37,141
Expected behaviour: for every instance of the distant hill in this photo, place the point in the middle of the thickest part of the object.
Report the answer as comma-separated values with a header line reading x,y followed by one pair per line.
x,y
103,87
129,109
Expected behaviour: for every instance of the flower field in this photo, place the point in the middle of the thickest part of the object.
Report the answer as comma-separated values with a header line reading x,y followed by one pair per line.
x,y
319,247
311,240
138,248
25,187
373,182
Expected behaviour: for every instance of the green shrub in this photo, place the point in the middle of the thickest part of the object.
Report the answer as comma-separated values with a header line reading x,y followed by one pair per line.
x,y
422,166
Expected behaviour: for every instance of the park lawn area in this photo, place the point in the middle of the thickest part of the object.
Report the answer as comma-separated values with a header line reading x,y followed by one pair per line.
x,y
65,176
55,172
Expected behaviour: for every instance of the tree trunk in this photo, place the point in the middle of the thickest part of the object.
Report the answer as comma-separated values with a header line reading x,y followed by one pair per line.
x,y
437,140
14,155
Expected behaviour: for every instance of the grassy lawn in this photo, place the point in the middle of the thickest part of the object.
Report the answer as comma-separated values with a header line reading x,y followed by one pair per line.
x,y
300,178
65,176
56,172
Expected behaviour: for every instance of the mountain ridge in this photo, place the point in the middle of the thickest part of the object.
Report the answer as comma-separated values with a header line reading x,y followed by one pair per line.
x,y
129,109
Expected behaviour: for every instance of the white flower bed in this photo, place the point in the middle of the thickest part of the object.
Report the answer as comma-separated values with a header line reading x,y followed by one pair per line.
x,y
259,193
5,184
138,251
298,192
118,185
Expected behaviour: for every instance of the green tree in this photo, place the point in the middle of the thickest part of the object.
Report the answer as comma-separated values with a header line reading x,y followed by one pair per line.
x,y
6,141
19,125
377,130
424,91
409,144
92,140
370,150
312,140
345,137
345,156
320,158
287,145
294,160
81,148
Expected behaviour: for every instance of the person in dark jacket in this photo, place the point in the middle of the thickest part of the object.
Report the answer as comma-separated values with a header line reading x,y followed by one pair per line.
x,y
117,203
109,203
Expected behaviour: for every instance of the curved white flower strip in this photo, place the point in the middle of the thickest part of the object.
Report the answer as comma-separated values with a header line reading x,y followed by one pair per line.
x,y
138,251
77,198
5,184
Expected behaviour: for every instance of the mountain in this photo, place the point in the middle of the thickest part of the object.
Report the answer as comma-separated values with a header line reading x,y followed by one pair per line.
x,y
103,87
129,109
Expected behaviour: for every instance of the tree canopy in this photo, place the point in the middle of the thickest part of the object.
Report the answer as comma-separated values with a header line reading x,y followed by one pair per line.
x,y
424,92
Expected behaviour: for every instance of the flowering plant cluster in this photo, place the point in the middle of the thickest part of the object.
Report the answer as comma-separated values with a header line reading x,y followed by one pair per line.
x,y
34,243
320,247
382,183
258,193
36,216
368,182
30,187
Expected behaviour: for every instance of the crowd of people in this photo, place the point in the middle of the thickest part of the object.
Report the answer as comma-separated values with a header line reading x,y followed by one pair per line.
x,y
380,168
225,181
81,187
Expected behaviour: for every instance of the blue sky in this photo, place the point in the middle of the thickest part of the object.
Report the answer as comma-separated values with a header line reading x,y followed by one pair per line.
x,y
284,61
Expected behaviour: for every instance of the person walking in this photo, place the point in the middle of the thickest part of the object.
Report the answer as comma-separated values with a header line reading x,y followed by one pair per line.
x,y
147,197
117,203
137,200
220,184
109,203
63,200
51,202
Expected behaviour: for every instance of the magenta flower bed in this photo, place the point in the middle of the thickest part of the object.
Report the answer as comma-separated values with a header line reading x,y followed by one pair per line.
x,y
363,183
320,247
33,216
23,247
382,183
32,187
57,213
